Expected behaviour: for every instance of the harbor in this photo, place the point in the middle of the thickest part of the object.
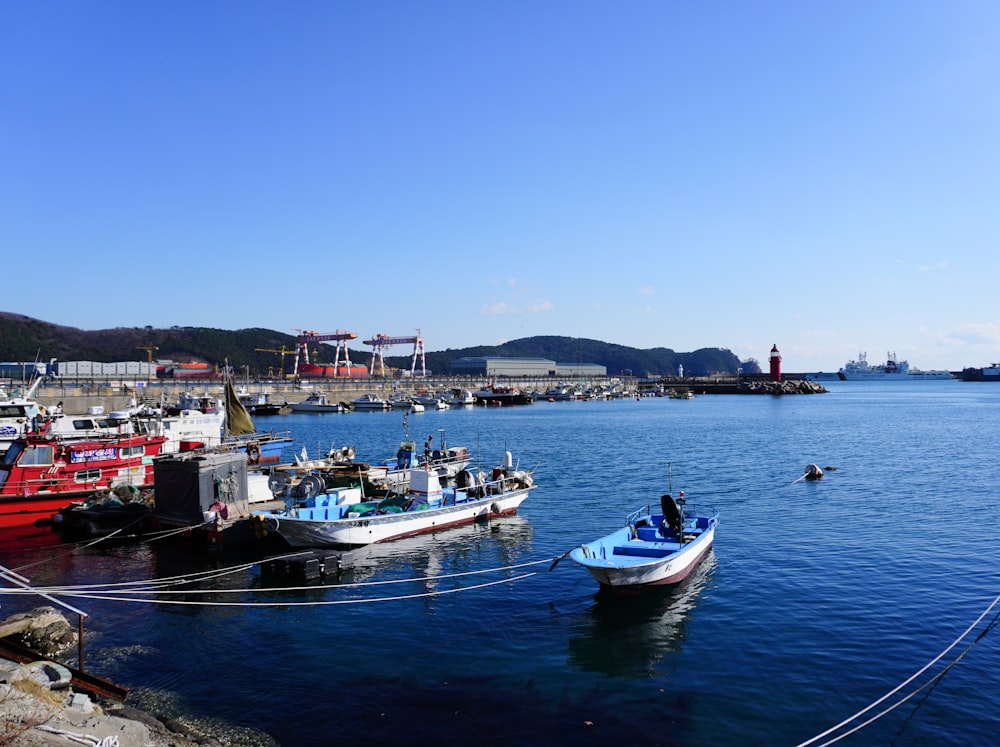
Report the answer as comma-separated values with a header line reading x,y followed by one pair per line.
x,y
428,629
116,395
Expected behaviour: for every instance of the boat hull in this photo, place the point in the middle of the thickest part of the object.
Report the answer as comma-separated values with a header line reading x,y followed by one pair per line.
x,y
369,530
623,564
315,408
22,511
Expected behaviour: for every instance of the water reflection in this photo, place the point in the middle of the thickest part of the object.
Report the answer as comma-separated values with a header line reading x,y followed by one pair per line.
x,y
479,546
630,636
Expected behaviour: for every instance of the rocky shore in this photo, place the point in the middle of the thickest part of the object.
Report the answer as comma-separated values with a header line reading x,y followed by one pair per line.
x,y
787,386
41,705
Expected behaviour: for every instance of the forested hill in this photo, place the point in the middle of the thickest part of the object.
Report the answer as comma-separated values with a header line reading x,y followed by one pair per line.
x,y
25,339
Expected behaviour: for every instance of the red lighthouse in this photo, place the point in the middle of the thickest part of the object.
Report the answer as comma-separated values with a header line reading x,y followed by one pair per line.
x,y
775,363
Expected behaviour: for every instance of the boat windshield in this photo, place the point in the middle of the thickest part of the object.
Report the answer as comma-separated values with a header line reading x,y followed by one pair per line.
x,y
17,411
32,455
13,451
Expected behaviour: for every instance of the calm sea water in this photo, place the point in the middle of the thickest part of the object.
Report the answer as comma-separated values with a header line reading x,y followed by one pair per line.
x,y
817,600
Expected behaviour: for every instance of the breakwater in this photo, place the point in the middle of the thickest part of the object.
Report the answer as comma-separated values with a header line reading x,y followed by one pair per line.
x,y
117,395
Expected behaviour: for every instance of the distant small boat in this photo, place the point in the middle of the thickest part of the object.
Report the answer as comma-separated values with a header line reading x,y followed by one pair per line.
x,y
400,401
259,403
651,549
500,396
369,402
461,398
316,402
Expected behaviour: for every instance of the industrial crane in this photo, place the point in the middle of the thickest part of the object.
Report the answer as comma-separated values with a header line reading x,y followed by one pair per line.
x,y
380,341
307,336
150,349
283,352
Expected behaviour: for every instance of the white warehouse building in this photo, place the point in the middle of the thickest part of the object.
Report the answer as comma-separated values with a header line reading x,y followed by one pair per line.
x,y
534,367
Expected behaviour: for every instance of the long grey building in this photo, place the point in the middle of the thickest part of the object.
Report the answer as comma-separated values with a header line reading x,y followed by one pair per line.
x,y
536,367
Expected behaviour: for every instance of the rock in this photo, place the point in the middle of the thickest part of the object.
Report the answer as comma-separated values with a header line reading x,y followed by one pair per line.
x,y
788,386
43,629
45,673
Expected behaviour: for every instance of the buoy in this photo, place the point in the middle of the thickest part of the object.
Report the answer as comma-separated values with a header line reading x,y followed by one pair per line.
x,y
813,472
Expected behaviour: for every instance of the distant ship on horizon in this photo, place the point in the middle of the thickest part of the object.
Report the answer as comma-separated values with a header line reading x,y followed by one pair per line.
x,y
892,370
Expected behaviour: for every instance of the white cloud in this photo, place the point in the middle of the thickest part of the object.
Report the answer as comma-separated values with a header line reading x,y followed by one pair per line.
x,y
943,265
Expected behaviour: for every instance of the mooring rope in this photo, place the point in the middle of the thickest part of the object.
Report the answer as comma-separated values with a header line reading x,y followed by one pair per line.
x,y
906,682
76,547
142,586
323,603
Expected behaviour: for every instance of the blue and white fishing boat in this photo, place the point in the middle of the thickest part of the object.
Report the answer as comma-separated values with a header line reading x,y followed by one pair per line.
x,y
651,549
342,517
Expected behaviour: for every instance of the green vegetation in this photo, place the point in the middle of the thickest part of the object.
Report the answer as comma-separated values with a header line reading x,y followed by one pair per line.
x,y
25,339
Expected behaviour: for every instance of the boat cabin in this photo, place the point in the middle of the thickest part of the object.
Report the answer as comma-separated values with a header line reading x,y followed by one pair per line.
x,y
44,464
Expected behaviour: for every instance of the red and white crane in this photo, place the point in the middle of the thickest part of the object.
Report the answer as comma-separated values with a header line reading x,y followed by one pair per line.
x,y
307,336
381,341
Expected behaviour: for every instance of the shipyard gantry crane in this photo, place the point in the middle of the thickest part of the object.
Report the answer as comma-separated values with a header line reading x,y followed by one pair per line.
x,y
283,352
307,336
380,341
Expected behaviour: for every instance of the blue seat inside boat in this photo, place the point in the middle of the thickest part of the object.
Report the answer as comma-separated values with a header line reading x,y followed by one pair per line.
x,y
643,551
648,534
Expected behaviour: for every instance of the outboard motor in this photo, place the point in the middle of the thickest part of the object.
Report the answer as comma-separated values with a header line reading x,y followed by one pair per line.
x,y
671,514
467,480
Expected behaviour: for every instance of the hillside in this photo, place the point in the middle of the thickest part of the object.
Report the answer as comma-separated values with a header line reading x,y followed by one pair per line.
x,y
23,338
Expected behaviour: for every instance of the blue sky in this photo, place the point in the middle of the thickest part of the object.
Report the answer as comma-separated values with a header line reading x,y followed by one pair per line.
x,y
819,175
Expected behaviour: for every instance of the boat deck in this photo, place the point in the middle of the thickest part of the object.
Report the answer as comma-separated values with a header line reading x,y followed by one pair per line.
x,y
628,547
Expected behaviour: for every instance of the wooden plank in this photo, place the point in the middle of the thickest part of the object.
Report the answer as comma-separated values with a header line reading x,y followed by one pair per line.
x,y
81,680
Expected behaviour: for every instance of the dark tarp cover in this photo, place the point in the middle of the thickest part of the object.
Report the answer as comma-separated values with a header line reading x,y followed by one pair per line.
x,y
238,420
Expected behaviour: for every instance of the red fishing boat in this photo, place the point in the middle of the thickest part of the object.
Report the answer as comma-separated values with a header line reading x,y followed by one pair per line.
x,y
41,474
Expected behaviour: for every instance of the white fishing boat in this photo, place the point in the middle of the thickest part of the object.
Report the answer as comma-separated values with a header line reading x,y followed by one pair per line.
x,y
184,430
305,477
461,398
19,414
369,401
400,401
341,517
316,402
651,549
258,403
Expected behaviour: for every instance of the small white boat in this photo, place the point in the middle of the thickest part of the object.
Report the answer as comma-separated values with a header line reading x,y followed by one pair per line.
x,y
400,402
316,402
257,403
340,517
461,398
432,401
651,549
369,402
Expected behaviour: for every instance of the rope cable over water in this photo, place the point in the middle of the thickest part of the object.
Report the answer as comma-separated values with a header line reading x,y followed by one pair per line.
x,y
906,682
74,548
324,603
141,586
158,587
